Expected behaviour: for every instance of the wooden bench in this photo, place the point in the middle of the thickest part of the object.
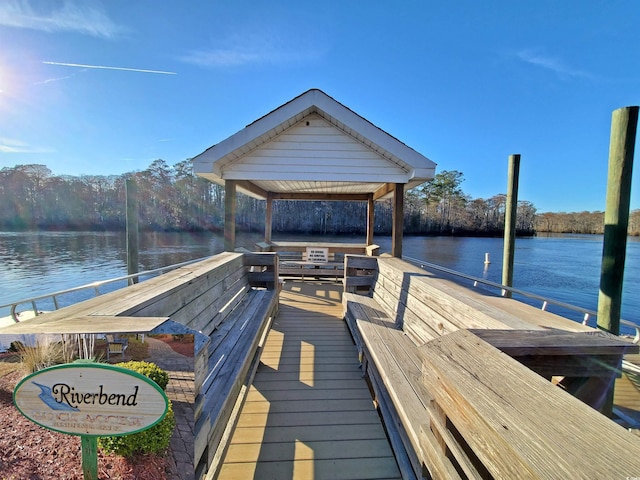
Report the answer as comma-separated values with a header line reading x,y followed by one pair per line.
x,y
227,301
233,354
404,311
495,418
295,257
312,262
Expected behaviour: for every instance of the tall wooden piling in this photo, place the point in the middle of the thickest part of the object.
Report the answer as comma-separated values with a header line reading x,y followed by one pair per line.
x,y
510,223
132,228
624,124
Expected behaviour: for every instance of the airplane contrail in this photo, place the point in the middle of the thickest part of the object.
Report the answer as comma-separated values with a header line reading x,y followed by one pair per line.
x,y
103,67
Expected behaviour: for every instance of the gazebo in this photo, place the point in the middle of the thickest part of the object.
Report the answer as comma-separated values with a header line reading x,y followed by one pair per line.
x,y
314,148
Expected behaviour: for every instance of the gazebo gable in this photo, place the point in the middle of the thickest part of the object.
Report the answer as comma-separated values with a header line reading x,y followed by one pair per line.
x,y
313,149
313,144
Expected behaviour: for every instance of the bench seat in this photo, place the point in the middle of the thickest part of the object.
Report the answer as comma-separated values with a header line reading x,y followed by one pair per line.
x,y
398,326
233,357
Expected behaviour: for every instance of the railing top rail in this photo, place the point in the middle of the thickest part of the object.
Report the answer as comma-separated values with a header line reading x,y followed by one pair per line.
x,y
94,285
587,314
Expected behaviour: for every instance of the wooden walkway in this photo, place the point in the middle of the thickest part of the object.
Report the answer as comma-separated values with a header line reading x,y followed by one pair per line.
x,y
309,413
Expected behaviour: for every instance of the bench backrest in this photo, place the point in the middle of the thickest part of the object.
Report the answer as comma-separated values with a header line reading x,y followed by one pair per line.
x,y
424,305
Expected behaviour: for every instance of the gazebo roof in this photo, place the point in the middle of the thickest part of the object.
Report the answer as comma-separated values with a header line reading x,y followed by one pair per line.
x,y
314,147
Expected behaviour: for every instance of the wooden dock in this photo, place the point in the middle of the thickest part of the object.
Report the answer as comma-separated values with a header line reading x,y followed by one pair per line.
x,y
309,412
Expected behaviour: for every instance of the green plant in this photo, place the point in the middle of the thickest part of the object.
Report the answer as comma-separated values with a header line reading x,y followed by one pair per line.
x,y
153,440
149,370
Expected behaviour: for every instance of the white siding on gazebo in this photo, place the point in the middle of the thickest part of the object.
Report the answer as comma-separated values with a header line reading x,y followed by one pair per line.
x,y
313,149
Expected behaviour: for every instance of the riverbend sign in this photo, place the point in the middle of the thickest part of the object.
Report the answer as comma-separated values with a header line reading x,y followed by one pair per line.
x,y
91,399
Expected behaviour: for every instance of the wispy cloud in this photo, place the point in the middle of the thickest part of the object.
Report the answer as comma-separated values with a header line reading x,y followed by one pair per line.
x,y
55,79
87,18
9,145
551,63
105,67
251,49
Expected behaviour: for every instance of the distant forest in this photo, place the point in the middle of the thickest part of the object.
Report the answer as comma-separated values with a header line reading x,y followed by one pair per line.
x,y
172,198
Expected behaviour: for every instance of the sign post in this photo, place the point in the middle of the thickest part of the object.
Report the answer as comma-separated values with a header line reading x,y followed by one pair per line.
x,y
91,400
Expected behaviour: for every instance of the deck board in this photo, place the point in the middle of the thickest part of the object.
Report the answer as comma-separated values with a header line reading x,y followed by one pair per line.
x,y
309,412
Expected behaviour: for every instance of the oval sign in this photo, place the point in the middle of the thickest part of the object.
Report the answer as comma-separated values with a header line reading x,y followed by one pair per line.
x,y
91,399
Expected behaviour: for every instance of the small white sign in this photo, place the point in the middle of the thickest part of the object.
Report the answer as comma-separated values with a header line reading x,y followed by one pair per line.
x,y
317,255
91,399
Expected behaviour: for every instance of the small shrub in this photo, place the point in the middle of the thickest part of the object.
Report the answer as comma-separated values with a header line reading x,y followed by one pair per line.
x,y
149,370
153,440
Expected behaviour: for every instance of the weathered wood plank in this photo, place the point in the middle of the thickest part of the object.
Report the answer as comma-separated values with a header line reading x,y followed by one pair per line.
x,y
327,450
292,406
515,421
87,324
554,342
344,469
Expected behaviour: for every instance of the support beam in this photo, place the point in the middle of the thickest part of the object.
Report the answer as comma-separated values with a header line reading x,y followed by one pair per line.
x,y
398,220
321,196
510,223
229,215
268,219
370,219
386,189
251,189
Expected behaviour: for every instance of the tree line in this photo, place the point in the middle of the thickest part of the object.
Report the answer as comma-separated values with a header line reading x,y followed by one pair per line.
x,y
172,198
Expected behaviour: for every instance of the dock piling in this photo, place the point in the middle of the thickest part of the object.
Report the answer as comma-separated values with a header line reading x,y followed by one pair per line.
x,y
510,223
132,228
624,124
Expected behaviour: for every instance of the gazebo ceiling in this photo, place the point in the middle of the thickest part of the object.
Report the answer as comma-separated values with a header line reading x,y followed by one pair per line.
x,y
313,147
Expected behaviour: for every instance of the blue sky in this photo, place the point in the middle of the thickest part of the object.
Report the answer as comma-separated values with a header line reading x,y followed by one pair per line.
x,y
465,83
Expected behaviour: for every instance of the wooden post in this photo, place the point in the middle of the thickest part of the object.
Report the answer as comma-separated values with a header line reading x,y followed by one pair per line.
x,y
370,219
398,220
510,223
268,219
229,215
89,448
132,228
624,123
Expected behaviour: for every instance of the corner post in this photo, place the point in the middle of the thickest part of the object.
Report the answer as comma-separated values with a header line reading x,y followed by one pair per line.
x,y
268,219
229,215
370,219
510,215
398,220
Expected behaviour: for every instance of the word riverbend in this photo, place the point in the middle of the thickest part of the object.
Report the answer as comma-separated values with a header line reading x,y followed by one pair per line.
x,y
63,393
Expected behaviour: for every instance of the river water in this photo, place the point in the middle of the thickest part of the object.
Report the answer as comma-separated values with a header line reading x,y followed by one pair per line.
x,y
560,267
